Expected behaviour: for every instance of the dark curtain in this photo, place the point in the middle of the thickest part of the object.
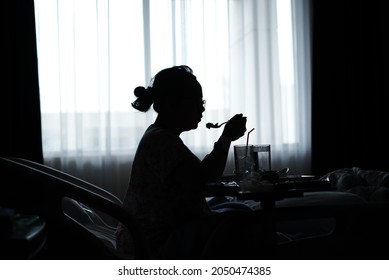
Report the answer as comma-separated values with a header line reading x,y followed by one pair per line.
x,y
20,107
350,85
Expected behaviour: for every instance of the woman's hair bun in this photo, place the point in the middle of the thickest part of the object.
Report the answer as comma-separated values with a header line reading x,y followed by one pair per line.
x,y
140,91
144,98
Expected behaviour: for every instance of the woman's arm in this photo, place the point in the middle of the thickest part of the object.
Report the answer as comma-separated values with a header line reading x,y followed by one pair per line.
x,y
214,163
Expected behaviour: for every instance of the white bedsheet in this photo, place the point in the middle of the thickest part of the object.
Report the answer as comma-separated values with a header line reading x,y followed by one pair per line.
x,y
325,198
371,185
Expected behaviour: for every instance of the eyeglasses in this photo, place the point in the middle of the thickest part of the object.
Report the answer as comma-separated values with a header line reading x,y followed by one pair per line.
x,y
201,103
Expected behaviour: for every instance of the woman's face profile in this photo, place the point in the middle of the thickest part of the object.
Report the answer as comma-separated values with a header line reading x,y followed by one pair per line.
x,y
191,107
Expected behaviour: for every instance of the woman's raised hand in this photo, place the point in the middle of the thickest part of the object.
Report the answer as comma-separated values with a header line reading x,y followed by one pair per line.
x,y
235,127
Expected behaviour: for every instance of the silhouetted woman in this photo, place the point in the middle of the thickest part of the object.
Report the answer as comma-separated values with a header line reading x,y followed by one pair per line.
x,y
165,192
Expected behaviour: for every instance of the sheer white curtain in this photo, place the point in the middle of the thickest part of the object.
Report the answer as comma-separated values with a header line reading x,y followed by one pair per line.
x,y
270,76
251,57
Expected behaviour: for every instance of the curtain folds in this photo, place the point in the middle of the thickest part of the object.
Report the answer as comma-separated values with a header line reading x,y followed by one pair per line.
x,y
251,57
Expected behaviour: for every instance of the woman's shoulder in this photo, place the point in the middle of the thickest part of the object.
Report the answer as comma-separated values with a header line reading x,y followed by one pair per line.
x,y
160,136
157,140
157,130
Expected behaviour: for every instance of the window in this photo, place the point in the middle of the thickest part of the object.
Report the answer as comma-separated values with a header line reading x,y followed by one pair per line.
x,y
251,57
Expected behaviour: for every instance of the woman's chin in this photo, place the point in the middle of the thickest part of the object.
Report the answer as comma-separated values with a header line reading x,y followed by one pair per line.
x,y
191,127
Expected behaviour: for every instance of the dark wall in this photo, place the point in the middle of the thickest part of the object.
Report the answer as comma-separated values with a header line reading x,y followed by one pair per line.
x,y
350,94
20,128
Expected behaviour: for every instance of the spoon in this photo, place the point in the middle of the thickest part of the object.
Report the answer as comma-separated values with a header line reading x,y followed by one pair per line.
x,y
216,125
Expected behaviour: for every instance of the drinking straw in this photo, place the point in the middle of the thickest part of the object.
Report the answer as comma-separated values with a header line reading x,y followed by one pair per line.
x,y
247,142
247,149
